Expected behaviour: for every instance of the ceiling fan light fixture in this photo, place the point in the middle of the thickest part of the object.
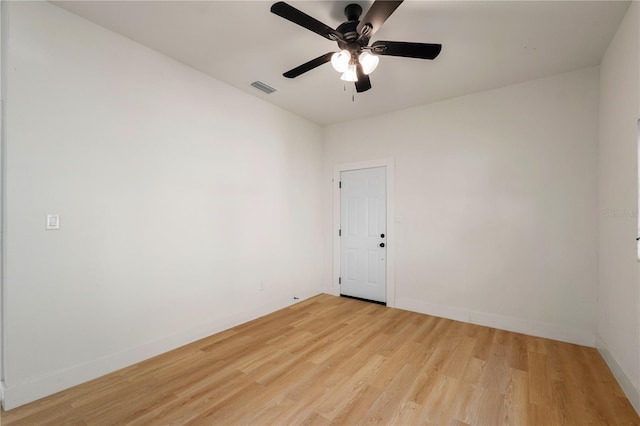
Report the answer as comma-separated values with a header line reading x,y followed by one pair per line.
x,y
356,58
350,74
340,60
369,62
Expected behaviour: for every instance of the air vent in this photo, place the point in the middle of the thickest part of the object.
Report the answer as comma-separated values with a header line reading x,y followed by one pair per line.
x,y
261,86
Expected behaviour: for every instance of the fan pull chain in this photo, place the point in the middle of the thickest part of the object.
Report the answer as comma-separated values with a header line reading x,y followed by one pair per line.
x,y
353,92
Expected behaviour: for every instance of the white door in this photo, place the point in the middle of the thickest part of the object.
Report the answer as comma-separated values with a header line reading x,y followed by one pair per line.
x,y
363,229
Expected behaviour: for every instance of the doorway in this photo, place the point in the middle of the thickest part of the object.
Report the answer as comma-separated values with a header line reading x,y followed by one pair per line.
x,y
363,218
363,231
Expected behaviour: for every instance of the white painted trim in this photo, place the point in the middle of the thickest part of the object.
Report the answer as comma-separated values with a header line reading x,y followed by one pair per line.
x,y
517,325
17,395
632,392
391,273
638,188
4,52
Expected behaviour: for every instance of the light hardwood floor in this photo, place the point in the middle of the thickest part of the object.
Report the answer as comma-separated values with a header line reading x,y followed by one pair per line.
x,y
331,360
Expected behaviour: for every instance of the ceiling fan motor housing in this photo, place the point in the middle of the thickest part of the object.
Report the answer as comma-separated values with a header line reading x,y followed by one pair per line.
x,y
353,12
352,40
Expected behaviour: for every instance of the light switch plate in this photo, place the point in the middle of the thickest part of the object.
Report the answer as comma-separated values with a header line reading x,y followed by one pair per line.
x,y
53,221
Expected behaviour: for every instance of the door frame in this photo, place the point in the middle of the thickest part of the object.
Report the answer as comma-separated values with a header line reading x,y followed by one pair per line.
x,y
4,44
388,163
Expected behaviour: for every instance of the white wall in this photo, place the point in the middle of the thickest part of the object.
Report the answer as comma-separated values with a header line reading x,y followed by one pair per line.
x,y
619,275
495,204
177,195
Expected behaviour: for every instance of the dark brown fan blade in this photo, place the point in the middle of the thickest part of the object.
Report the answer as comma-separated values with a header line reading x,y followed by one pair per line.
x,y
407,50
363,84
308,66
294,15
379,12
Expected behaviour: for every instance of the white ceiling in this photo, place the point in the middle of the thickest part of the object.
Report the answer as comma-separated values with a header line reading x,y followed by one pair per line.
x,y
486,44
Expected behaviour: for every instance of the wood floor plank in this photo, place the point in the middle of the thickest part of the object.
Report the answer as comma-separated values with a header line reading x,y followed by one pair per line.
x,y
516,397
407,413
540,385
460,357
330,360
388,404
464,407
437,404
351,386
354,411
428,375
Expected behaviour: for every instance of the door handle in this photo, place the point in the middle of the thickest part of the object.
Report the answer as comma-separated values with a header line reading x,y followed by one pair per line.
x,y
381,235
381,244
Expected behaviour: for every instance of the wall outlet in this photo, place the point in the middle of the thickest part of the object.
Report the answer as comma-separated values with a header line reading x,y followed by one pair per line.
x,y
53,222
261,286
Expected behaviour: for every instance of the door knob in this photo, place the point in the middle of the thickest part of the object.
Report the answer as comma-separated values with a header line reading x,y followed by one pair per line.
x,y
381,235
381,244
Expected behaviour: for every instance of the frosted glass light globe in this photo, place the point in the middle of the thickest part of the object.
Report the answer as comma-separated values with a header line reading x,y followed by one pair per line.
x,y
350,74
340,60
369,62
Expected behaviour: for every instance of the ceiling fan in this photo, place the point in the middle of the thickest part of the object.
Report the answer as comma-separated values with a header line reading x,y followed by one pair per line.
x,y
356,59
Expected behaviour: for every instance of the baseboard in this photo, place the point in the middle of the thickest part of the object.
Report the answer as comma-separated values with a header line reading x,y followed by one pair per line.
x,y
15,396
632,392
517,325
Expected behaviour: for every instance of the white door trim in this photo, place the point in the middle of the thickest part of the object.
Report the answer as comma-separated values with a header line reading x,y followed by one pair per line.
x,y
4,43
335,226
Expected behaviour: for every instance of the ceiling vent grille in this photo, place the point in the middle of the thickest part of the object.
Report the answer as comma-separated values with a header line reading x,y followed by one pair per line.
x,y
264,87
